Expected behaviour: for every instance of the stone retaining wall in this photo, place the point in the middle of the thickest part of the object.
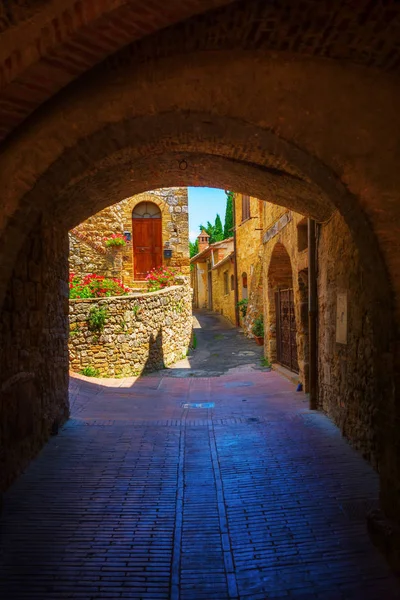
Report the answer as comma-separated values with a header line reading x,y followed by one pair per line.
x,y
142,332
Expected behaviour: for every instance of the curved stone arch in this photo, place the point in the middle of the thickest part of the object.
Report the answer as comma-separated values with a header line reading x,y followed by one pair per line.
x,y
280,275
142,92
255,141
264,169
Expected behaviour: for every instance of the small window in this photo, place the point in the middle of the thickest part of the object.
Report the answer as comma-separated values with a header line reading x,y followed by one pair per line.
x,y
232,283
244,286
226,283
245,207
302,235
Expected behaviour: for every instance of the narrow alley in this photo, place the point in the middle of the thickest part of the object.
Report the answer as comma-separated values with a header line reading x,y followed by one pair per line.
x,y
211,486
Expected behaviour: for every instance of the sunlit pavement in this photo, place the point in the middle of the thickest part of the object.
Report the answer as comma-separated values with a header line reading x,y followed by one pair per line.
x,y
142,496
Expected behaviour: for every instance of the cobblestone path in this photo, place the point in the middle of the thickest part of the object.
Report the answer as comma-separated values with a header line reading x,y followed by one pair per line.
x,y
143,496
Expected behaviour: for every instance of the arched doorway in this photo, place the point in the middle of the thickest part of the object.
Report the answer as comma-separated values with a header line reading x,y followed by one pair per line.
x,y
146,239
281,313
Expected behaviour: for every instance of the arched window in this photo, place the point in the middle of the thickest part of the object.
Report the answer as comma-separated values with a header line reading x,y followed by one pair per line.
x,y
146,210
244,286
226,286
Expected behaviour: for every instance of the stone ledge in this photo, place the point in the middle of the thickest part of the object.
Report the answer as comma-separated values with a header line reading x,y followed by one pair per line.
x,y
166,290
293,377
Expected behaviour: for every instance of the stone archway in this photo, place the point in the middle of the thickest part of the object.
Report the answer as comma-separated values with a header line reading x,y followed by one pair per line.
x,y
282,318
156,115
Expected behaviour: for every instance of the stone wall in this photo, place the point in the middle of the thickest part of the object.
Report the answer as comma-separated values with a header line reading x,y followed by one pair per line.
x,y
248,240
348,379
347,372
88,253
33,350
143,332
88,257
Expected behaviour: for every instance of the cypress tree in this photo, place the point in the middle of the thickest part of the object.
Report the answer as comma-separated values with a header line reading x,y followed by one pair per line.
x,y
218,231
228,225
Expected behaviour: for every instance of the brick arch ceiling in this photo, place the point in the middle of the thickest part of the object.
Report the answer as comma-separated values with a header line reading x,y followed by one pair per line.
x,y
46,44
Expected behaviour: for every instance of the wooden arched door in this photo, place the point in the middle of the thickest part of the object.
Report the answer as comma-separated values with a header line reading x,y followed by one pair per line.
x,y
146,239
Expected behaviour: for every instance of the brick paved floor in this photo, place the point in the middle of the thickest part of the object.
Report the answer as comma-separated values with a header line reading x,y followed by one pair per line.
x,y
139,497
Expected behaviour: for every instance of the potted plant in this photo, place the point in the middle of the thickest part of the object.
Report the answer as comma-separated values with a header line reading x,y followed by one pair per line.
x,y
115,241
258,330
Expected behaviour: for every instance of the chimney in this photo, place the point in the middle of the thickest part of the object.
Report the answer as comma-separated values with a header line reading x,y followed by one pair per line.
x,y
203,238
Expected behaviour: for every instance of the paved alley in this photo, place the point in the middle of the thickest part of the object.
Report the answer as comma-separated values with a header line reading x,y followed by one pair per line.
x,y
193,488
219,347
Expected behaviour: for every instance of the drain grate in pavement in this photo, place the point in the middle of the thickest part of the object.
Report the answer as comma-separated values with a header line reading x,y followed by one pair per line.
x,y
198,405
356,510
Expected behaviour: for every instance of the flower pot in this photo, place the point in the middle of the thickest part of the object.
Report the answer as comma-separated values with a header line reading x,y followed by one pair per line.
x,y
259,340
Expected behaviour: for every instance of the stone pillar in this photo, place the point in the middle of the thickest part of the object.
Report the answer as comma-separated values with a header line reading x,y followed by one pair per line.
x,y
33,350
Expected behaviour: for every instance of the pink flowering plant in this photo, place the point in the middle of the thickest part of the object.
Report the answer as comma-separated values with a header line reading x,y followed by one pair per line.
x,y
160,277
115,240
95,286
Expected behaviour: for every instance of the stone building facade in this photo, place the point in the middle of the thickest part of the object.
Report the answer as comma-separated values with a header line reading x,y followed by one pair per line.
x,y
155,225
248,229
212,276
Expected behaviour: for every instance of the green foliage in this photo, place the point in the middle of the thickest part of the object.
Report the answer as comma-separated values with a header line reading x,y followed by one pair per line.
x,y
218,231
258,326
214,231
242,305
137,309
115,240
228,225
178,306
90,372
265,362
95,286
97,319
193,248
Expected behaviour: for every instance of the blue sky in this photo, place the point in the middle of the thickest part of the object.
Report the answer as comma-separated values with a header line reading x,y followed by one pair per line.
x,y
204,204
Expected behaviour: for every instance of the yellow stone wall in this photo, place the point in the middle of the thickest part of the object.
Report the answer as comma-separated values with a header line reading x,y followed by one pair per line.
x,y
224,303
199,284
248,240
287,236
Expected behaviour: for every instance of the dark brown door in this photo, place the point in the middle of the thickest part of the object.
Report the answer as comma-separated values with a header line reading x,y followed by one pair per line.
x,y
286,347
146,243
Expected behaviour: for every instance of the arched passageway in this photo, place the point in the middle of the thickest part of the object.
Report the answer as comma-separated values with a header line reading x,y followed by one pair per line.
x,y
154,115
282,329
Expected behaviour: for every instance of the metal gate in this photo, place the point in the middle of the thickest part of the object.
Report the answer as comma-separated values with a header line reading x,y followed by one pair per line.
x,y
286,347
